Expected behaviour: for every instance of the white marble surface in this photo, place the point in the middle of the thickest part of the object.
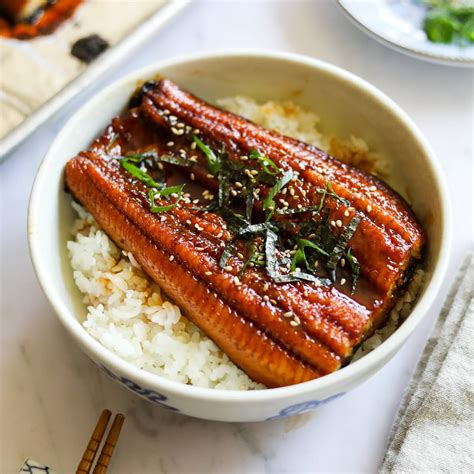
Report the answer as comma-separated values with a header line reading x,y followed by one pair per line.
x,y
52,394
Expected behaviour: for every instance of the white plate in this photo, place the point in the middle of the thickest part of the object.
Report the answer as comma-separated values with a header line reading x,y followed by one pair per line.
x,y
105,62
398,24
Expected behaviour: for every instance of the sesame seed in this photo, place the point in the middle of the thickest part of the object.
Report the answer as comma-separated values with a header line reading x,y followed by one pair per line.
x,y
346,213
293,323
285,190
253,172
288,314
219,235
195,201
193,158
162,218
369,208
343,262
199,249
333,223
305,293
233,192
193,145
238,184
160,166
297,319
170,144
237,281
228,268
197,227
208,273
373,188
197,131
175,130
272,301
180,125
343,281
240,255
300,206
166,112
188,222
292,191
266,286
339,223
192,176
171,258
265,298
209,176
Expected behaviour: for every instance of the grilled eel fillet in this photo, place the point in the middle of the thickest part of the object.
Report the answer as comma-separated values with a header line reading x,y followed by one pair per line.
x,y
247,317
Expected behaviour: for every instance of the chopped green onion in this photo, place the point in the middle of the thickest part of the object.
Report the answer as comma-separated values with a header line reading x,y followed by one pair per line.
x,y
267,164
141,175
153,193
213,161
269,203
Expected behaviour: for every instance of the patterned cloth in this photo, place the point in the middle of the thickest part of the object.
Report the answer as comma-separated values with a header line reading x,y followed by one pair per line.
x,y
434,428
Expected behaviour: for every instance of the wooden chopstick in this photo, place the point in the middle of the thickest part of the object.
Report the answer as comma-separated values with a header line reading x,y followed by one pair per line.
x,y
109,445
94,443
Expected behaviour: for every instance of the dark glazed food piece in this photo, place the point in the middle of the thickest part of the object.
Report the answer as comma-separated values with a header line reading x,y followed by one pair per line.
x,y
278,333
26,19
88,48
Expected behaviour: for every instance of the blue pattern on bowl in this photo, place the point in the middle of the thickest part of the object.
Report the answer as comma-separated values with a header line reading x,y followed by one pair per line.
x,y
302,407
152,395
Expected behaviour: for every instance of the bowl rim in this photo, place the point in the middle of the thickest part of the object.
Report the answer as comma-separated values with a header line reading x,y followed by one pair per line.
x,y
351,372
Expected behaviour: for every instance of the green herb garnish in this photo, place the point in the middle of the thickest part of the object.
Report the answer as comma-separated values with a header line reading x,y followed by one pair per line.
x,y
449,23
300,255
213,161
153,193
138,173
329,191
269,203
267,164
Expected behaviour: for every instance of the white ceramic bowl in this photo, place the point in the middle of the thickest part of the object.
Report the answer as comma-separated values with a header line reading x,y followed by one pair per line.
x,y
346,104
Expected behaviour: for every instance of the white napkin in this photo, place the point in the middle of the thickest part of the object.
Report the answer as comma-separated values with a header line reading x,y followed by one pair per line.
x,y
434,428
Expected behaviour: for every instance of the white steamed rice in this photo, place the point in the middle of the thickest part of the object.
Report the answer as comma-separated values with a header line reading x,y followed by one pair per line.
x,y
128,314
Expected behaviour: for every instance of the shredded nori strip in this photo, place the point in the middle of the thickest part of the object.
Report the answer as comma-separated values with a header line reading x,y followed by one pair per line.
x,y
340,247
289,212
228,251
224,189
355,268
175,160
249,201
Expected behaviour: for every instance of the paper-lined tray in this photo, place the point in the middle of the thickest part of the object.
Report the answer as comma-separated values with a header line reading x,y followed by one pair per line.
x,y
39,76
